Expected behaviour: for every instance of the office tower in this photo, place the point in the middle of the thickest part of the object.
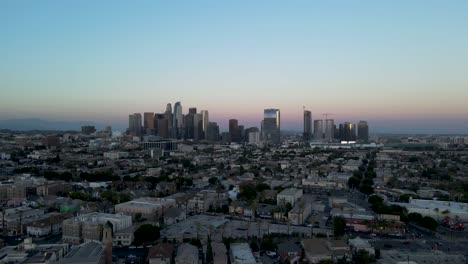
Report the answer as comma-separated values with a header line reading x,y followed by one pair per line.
x,y
329,130
188,126
192,110
134,124
205,122
363,131
252,135
241,133
347,132
161,125
148,120
178,122
169,118
337,133
318,129
197,127
234,130
307,125
212,131
271,126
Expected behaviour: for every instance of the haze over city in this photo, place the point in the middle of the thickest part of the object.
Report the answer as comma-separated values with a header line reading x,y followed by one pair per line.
x,y
401,65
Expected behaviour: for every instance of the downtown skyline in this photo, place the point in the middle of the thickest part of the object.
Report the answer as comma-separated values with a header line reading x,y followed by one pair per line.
x,y
400,66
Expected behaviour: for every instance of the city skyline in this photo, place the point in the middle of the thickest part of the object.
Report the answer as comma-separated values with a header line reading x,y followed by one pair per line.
x,y
400,66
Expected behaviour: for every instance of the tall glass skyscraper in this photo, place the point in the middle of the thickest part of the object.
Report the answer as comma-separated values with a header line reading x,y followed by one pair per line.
x,y
177,123
271,126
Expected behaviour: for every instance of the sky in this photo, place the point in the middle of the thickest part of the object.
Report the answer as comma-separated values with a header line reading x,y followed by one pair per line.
x,y
402,65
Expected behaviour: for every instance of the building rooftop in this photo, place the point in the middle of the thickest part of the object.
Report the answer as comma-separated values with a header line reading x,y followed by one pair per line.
x,y
241,253
87,253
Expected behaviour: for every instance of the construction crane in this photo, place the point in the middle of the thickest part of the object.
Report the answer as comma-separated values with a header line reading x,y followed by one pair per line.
x,y
326,115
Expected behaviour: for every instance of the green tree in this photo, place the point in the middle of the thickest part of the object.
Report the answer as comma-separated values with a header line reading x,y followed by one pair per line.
x,y
362,256
247,192
209,252
366,189
429,223
375,199
146,234
339,225
213,180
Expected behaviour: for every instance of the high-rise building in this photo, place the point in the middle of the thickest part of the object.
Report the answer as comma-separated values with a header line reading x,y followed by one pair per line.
x,y
252,135
148,120
205,122
178,122
271,126
329,130
234,130
192,110
347,132
169,117
134,124
307,125
161,125
318,129
363,131
212,131
189,126
197,127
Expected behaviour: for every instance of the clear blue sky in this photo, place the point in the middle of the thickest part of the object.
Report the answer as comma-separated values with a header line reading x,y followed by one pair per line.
x,y
390,62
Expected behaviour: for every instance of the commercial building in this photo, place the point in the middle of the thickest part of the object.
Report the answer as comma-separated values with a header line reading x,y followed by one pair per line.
x,y
307,134
271,129
205,120
148,120
134,124
212,133
90,226
147,207
234,130
347,132
177,123
363,131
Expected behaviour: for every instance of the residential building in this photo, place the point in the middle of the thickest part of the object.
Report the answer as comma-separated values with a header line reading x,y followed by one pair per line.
x,y
147,207
160,254
187,254
289,195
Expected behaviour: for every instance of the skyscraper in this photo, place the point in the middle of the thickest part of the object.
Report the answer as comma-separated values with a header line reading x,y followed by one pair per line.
x,y
178,122
192,110
148,120
169,117
234,130
212,131
363,131
271,126
307,125
134,124
347,132
205,122
329,130
318,129
197,127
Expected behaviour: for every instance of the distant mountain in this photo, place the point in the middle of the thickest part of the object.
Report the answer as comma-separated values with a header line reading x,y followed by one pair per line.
x,y
28,124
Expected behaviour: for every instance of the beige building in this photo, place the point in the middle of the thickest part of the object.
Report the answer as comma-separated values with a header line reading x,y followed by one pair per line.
x,y
149,207
290,195
90,226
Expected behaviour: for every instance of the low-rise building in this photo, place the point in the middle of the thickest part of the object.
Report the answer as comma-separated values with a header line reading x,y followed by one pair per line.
x,y
187,254
240,253
148,207
290,195
160,254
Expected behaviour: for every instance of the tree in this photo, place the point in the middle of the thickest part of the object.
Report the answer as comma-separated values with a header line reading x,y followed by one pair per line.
x,y
213,180
375,199
261,187
209,252
354,182
247,192
146,234
366,189
339,225
362,256
429,223
415,217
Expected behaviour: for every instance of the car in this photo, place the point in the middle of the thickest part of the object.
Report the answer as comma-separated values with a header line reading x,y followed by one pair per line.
x,y
373,235
271,254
